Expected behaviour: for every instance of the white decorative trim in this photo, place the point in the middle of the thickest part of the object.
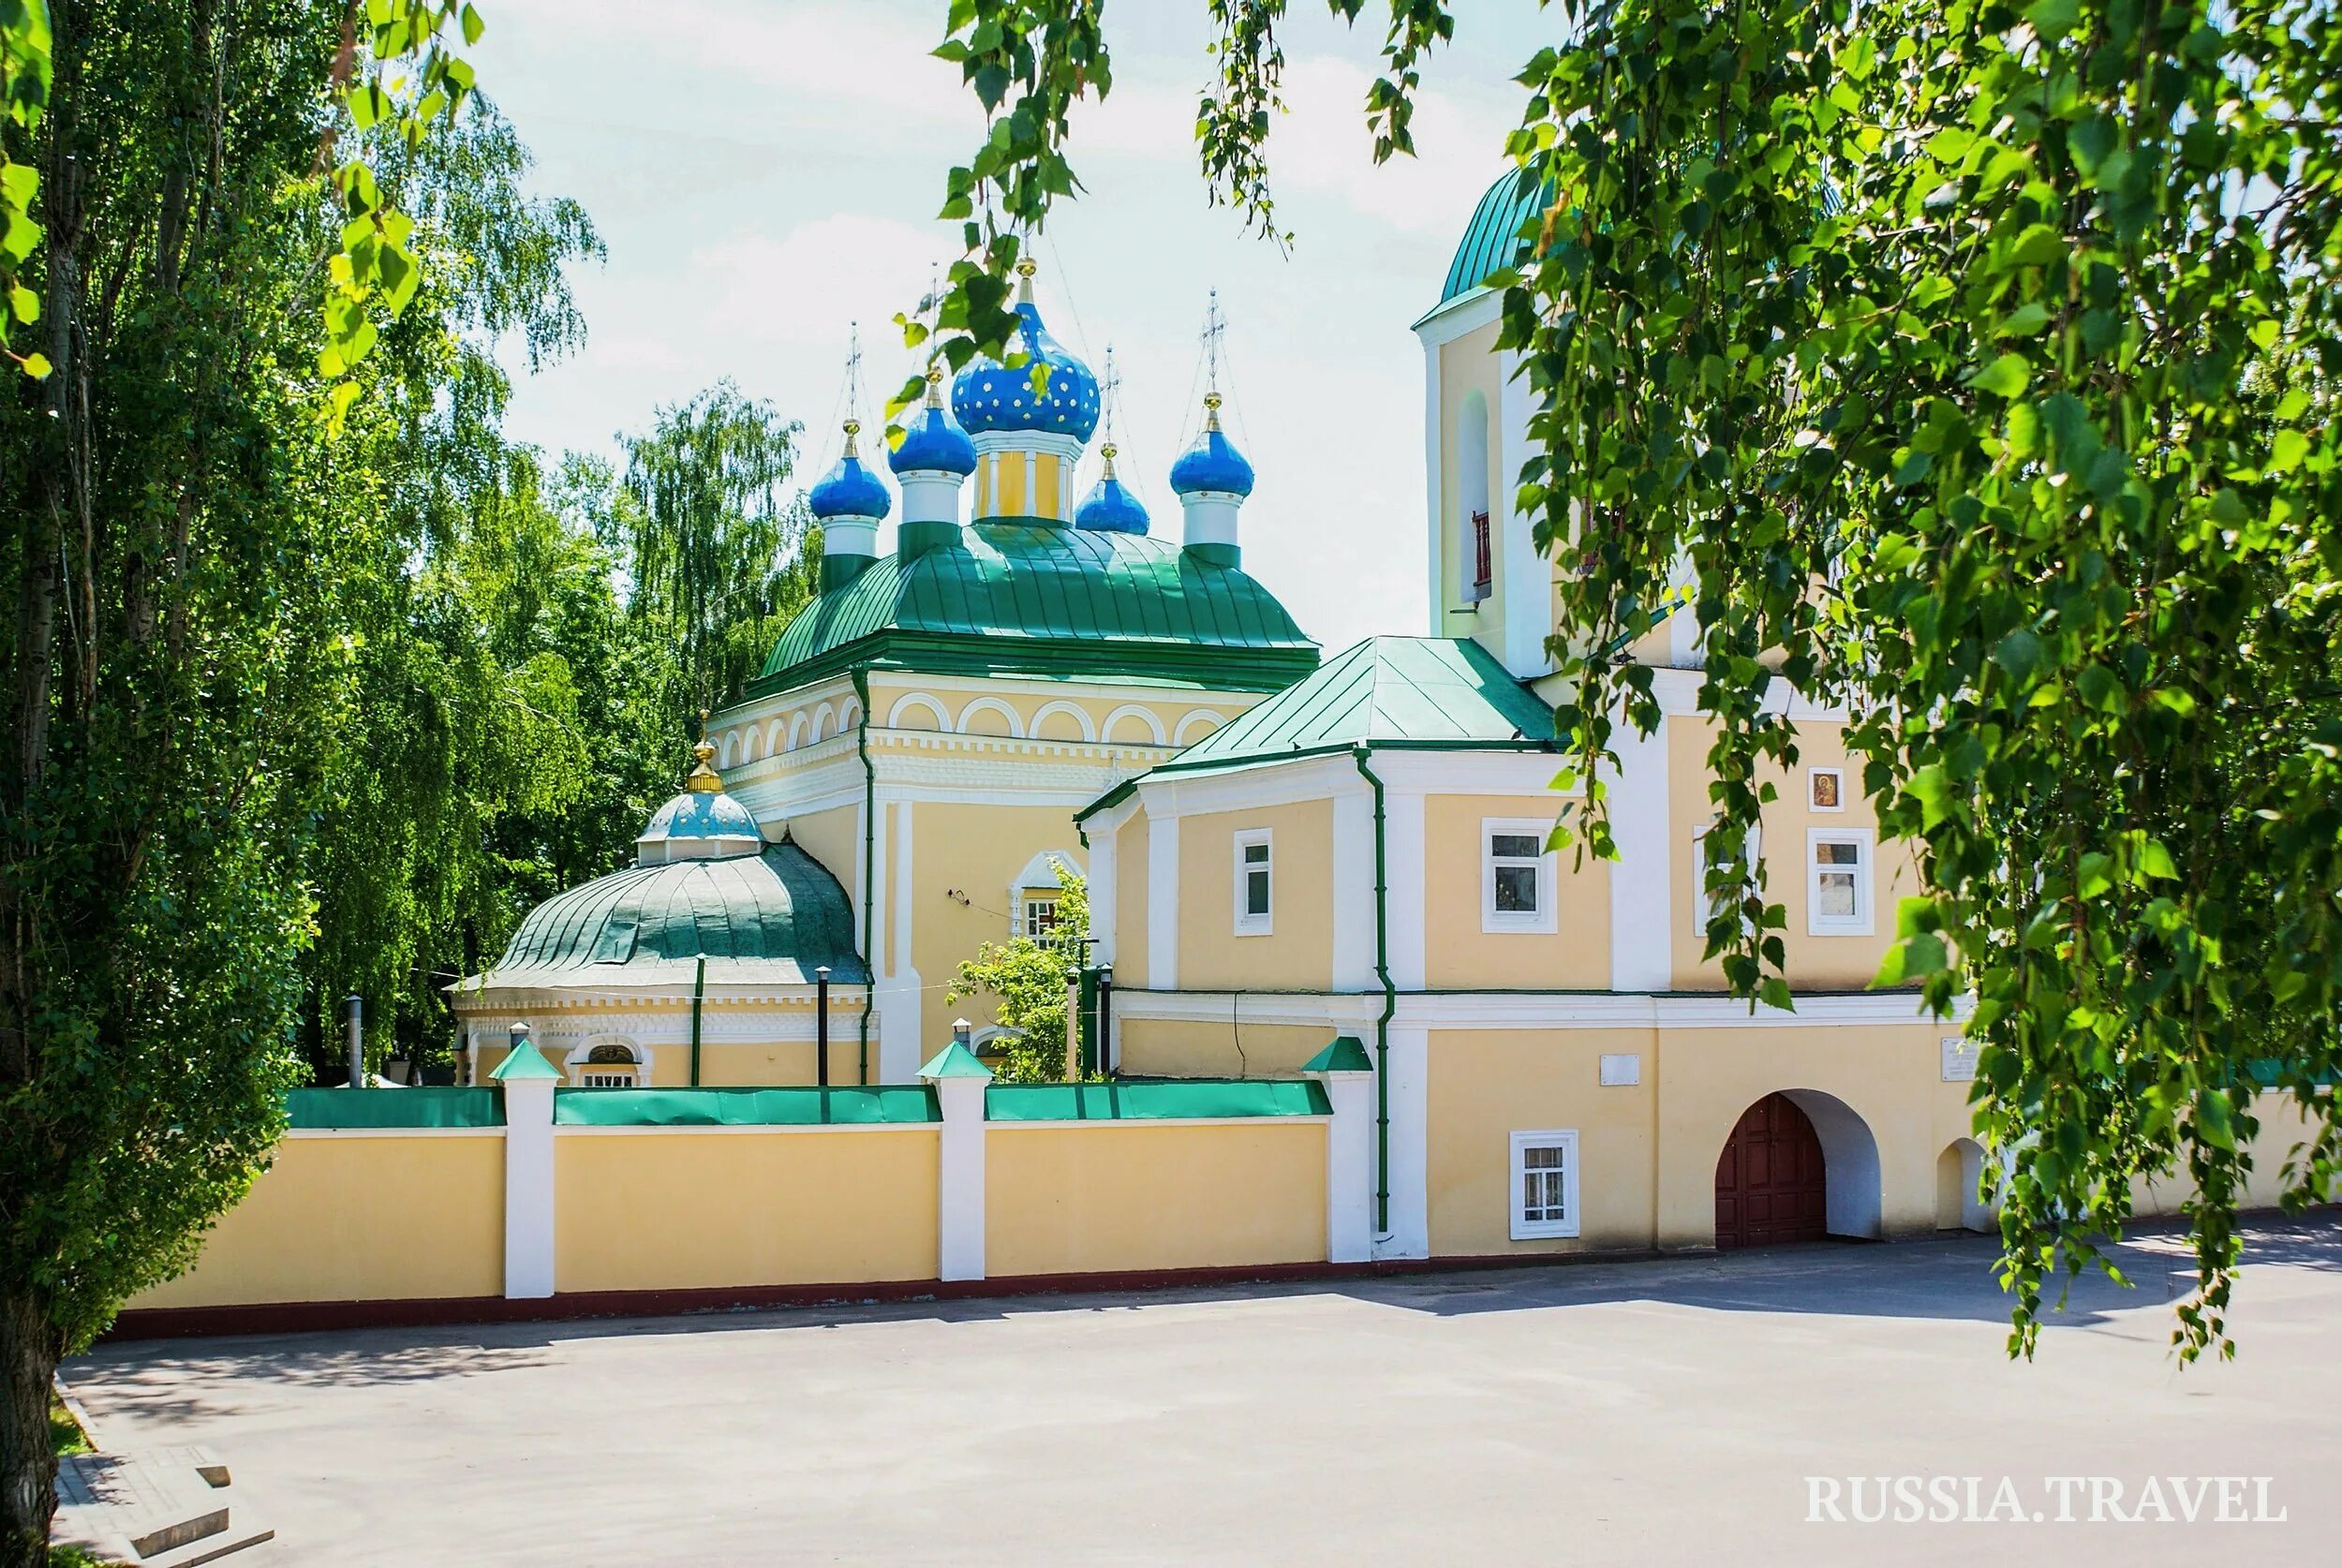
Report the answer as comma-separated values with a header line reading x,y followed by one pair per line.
x,y
1435,485
910,699
824,723
1104,888
959,1178
991,704
1544,918
1082,721
1179,732
734,1129
1163,902
394,1133
1528,575
1450,320
1408,1178
1524,1228
1157,1122
1526,1010
1677,691
1147,716
1349,1167
1529,773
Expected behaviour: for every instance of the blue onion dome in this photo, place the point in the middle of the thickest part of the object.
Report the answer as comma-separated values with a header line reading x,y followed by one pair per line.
x,y
1213,463
933,443
701,823
989,396
850,489
1110,508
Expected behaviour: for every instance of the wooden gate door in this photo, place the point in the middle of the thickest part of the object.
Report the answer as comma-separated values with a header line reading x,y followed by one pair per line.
x,y
1770,1186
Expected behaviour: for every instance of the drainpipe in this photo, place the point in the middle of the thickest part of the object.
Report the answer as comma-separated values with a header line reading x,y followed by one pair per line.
x,y
356,1024
821,1025
699,989
1390,1002
869,864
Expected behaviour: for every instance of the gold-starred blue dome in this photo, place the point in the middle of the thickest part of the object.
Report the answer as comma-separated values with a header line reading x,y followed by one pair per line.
x,y
989,396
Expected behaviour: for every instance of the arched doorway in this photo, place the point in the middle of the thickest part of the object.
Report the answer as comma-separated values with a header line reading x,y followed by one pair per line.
x,y
1772,1181
1959,1180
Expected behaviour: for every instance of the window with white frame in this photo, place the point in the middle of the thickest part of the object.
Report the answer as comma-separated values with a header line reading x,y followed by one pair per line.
x,y
1706,906
1517,891
1825,788
1039,922
1255,883
1544,1185
602,1077
1838,881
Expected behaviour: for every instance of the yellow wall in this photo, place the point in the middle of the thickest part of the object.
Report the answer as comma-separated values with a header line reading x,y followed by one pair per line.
x,y
1487,1085
1066,1197
1130,896
834,837
352,1218
2283,1126
1458,953
1647,1153
975,851
1814,962
675,1209
1298,954
1219,1048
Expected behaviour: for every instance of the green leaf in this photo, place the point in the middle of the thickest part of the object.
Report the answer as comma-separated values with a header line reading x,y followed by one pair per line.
x,y
473,26
2005,377
36,366
2053,19
2022,653
1912,958
2094,875
2213,1123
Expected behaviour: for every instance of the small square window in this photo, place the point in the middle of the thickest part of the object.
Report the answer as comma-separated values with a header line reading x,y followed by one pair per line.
x,y
1826,789
1255,884
1517,877
1838,882
1544,1185
1040,916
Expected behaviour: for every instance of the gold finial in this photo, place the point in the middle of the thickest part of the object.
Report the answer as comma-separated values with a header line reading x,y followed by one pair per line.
x,y
702,780
935,386
1211,411
1026,267
853,428
1106,452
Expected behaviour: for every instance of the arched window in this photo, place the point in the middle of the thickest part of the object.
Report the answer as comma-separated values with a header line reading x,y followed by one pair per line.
x,y
611,1064
1476,562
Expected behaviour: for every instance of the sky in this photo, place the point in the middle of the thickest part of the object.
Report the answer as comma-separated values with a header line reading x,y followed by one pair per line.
x,y
765,172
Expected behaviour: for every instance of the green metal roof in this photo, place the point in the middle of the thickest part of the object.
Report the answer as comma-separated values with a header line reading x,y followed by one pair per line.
x,y
1346,1054
954,1061
1492,240
744,1107
770,918
1391,693
1043,598
521,1062
313,1109
1156,1100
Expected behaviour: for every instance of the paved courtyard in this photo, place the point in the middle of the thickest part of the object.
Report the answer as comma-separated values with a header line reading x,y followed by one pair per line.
x,y
1641,1414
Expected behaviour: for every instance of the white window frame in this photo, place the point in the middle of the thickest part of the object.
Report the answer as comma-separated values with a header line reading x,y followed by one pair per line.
x,y
1027,904
1813,773
604,1075
1248,923
1545,917
1524,1228
1863,921
1699,873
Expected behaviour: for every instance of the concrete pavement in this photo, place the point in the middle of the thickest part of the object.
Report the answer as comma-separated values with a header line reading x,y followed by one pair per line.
x,y
1663,1413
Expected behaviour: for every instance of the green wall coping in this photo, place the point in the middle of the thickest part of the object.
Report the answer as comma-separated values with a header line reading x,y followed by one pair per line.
x,y
1156,1102
874,1106
312,1110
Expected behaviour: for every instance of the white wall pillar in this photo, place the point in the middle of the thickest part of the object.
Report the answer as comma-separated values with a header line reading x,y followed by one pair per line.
x,y
1349,1159
897,1003
959,1081
1105,835
1528,576
1435,506
1409,1236
1642,879
528,1081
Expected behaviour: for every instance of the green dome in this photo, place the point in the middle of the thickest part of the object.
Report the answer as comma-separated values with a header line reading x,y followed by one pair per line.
x,y
1044,598
1492,241
773,918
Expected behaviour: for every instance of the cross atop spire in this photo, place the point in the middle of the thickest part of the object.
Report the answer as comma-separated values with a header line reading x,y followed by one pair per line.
x,y
854,385
1215,326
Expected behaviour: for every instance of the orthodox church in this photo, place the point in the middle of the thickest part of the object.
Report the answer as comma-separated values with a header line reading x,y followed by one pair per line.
x,y
1290,862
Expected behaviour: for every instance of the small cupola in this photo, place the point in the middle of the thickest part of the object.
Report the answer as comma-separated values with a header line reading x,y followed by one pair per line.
x,y
931,462
701,823
1211,479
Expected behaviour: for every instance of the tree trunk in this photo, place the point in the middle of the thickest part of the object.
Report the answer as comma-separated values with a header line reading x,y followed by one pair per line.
x,y
28,1467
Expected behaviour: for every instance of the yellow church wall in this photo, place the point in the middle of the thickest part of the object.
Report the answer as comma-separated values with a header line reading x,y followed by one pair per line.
x,y
1129,913
1219,1048
1069,1197
1458,955
2283,1127
974,851
832,836
678,1209
1297,953
1486,1085
1814,962
431,1224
